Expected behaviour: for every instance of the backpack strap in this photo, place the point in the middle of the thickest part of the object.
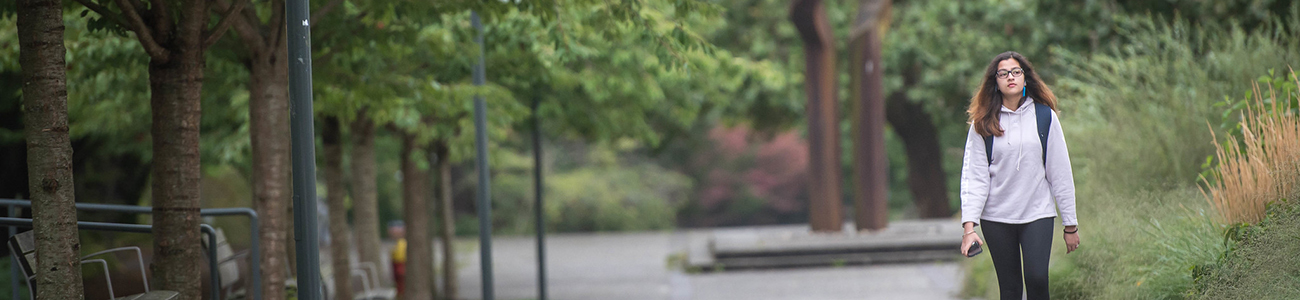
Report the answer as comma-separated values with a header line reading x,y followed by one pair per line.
x,y
1044,114
1044,125
988,147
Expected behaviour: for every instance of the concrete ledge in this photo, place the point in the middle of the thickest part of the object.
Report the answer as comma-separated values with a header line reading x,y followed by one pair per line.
x,y
841,259
796,246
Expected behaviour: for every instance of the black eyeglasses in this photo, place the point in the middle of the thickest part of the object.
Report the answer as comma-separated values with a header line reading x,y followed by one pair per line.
x,y
1017,72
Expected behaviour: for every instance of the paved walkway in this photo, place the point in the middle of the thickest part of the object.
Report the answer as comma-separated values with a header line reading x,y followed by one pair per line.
x,y
635,266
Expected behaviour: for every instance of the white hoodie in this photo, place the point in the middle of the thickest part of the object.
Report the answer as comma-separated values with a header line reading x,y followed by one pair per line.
x,y
1017,188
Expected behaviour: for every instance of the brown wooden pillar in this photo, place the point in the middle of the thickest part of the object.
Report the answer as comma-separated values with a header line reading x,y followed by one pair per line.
x,y
809,17
870,165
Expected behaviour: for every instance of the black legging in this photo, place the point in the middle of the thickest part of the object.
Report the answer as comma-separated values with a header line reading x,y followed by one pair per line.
x,y
1005,242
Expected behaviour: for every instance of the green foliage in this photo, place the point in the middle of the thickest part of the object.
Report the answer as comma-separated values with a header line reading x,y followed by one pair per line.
x,y
616,199
108,96
761,31
946,75
1144,108
1279,84
610,190
416,69
107,85
1250,14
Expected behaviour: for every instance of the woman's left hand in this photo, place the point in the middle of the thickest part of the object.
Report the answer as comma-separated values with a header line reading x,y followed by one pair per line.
x,y
1071,241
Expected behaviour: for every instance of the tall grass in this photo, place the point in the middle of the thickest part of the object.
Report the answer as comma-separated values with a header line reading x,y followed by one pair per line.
x,y
1135,117
1264,165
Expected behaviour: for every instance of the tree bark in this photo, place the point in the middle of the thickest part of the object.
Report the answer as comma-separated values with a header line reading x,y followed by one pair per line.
x,y
925,176
49,150
176,85
176,165
809,18
336,196
447,234
269,136
419,254
364,204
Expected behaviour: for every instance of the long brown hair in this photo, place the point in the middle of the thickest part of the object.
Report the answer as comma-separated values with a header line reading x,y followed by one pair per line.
x,y
987,102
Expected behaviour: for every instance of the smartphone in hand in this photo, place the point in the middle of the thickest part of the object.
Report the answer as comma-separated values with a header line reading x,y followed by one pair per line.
x,y
975,249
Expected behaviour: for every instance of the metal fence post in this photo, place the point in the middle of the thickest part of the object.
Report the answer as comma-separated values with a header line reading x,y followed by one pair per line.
x,y
539,210
14,274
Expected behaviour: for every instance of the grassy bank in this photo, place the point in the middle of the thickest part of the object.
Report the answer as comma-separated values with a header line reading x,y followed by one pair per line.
x,y
1264,262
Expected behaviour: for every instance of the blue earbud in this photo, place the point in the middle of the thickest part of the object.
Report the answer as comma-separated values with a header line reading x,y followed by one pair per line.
x,y
1022,91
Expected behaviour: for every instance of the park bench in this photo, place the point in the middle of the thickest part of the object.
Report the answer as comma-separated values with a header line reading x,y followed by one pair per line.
x,y
23,248
372,290
228,266
368,276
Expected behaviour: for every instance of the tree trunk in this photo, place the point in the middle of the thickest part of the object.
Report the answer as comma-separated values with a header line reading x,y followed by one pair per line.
x,y
335,194
49,150
419,254
176,87
364,204
269,135
925,175
447,234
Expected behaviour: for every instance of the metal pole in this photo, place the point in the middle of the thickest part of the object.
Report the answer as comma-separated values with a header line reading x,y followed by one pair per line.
x,y
484,180
254,227
304,150
538,209
137,228
213,270
14,275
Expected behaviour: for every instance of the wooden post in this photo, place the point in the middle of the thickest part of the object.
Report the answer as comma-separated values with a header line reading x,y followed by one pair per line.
x,y
809,17
870,166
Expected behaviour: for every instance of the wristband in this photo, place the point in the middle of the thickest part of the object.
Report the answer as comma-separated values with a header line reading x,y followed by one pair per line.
x,y
1076,230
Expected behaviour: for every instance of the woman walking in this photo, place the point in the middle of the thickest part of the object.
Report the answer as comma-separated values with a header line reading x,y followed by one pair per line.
x,y
1014,166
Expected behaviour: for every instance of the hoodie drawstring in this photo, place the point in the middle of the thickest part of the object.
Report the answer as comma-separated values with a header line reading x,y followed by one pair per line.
x,y
1019,115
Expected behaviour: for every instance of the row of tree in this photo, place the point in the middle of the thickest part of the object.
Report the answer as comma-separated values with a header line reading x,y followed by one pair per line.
x,y
601,71
381,66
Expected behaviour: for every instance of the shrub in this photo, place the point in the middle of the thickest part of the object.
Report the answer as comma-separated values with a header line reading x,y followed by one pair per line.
x,y
603,189
1262,165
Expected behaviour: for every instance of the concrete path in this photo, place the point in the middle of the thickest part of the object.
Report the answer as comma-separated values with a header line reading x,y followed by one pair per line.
x,y
635,266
